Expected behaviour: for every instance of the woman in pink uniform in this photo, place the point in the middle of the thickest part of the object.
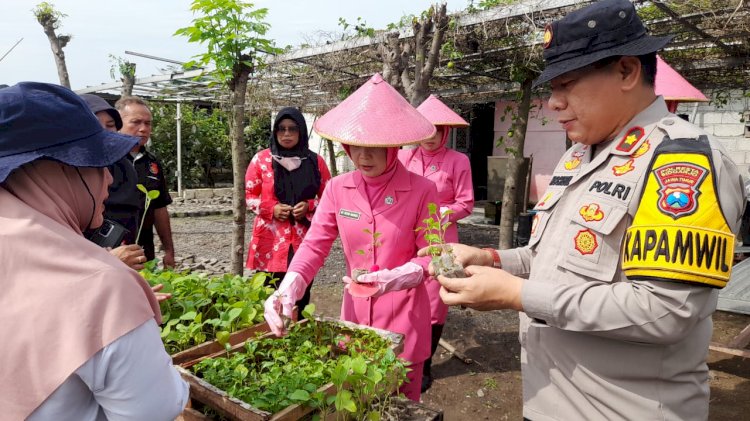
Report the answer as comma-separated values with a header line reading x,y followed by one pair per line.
x,y
451,172
381,196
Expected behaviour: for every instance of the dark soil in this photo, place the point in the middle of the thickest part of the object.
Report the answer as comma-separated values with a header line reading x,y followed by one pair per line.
x,y
490,387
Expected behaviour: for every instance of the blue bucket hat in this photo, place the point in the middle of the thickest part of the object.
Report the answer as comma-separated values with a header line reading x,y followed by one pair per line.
x,y
603,29
42,120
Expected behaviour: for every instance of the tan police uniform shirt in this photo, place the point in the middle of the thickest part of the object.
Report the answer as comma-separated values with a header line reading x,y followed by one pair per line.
x,y
595,344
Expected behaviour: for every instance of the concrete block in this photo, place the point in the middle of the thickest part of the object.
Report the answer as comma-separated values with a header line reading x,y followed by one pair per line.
x,y
188,194
745,161
711,117
730,144
732,118
726,130
204,193
223,192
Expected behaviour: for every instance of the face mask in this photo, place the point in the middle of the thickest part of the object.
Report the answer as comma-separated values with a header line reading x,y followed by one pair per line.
x,y
291,163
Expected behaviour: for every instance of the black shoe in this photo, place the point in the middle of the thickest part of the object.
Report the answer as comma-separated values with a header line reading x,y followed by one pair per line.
x,y
426,382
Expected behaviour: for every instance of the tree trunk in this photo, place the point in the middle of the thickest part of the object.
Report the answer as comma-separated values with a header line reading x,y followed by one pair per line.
x,y
514,179
127,71
423,49
238,84
58,43
331,158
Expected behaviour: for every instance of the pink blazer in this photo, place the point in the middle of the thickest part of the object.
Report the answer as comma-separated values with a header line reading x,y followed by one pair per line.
x,y
451,173
345,210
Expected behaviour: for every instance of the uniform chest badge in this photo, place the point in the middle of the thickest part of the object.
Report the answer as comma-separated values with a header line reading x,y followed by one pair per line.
x,y
591,212
433,168
389,200
585,242
642,149
575,162
349,214
535,223
679,184
153,168
623,169
630,139
547,196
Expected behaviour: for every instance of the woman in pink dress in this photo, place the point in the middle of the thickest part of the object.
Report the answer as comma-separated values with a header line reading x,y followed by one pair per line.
x,y
375,210
282,187
451,172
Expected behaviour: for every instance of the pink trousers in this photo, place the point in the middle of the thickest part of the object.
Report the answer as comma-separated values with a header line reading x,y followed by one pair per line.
x,y
412,388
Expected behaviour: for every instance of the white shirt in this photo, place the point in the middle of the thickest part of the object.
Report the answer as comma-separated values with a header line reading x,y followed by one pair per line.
x,y
130,379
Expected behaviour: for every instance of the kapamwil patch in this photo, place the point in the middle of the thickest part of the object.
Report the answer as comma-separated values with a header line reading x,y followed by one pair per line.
x,y
630,139
679,184
585,242
153,168
591,212
623,169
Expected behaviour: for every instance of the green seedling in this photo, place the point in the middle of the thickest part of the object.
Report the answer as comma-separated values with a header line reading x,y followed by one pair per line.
x,y
368,254
434,229
150,195
272,373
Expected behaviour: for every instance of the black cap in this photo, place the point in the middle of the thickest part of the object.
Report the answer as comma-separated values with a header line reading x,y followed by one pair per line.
x,y
97,103
603,29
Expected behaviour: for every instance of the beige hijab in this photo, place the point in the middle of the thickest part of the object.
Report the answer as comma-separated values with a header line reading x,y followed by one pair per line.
x,y
62,298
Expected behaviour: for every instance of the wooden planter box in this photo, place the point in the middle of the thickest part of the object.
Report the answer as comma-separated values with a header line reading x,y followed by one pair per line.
x,y
199,352
237,410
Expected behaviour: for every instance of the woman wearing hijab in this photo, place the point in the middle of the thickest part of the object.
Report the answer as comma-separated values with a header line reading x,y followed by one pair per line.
x,y
282,187
80,329
375,210
451,172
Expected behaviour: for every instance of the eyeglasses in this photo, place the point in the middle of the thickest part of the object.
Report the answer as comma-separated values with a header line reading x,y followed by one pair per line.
x,y
288,129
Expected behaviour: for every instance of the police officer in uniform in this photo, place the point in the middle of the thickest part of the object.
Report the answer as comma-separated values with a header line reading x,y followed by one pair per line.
x,y
630,243
136,120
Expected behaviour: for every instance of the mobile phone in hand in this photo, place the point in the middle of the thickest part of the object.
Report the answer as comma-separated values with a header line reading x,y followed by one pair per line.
x,y
110,234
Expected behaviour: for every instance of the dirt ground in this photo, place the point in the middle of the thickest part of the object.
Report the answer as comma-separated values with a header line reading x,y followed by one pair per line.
x,y
490,387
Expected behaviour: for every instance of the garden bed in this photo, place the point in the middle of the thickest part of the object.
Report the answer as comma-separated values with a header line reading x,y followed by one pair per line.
x,y
353,369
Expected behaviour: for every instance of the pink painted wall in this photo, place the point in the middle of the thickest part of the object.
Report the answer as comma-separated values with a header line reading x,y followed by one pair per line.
x,y
545,142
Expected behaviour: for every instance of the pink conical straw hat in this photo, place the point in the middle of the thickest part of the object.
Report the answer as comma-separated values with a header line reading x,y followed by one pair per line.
x,y
440,114
375,115
673,87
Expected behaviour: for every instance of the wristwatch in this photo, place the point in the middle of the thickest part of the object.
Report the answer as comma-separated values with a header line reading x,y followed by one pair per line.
x,y
495,257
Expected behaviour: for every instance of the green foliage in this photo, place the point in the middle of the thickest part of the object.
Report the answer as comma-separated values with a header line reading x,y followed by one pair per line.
x,y
434,228
232,31
374,243
45,13
360,29
120,66
273,373
150,195
206,148
206,308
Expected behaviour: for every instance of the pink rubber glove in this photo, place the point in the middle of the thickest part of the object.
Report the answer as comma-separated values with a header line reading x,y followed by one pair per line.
x,y
282,301
375,284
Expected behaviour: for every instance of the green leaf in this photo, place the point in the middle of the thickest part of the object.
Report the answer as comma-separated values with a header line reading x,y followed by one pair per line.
x,y
344,401
190,315
222,337
153,194
299,395
142,188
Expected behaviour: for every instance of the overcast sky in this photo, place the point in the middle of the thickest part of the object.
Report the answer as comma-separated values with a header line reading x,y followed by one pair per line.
x,y
104,27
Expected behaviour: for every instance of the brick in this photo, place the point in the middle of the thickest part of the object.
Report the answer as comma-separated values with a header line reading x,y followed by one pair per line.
x,y
742,144
188,194
726,130
705,119
732,118
730,144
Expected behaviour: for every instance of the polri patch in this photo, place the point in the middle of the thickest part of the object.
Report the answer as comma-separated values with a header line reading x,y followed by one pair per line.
x,y
591,212
349,214
153,168
623,169
630,139
547,35
615,190
585,242
679,183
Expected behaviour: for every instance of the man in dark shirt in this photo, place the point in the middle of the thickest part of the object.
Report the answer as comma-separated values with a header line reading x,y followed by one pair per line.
x,y
123,205
136,121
